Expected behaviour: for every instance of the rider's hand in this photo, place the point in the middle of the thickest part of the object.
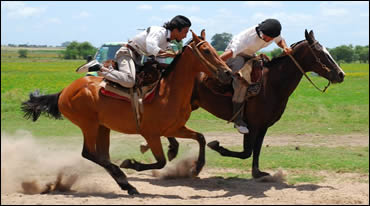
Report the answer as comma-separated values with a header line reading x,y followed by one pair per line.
x,y
287,50
264,57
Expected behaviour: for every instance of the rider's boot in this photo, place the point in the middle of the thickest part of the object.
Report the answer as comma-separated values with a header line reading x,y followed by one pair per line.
x,y
239,124
91,66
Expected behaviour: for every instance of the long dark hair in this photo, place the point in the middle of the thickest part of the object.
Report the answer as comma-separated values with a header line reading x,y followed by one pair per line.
x,y
178,22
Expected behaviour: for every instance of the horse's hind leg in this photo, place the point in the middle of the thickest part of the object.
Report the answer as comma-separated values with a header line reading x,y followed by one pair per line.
x,y
96,149
247,147
173,148
155,145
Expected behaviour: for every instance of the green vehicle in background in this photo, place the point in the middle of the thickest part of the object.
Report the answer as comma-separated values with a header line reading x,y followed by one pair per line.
x,y
108,50
105,52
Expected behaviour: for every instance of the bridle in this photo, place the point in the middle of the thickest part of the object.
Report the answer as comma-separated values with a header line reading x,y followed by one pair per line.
x,y
317,59
198,54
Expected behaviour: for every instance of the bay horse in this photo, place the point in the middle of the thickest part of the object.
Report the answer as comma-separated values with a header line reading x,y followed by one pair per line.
x,y
166,115
280,78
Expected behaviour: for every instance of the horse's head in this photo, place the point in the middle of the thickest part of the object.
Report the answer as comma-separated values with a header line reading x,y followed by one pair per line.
x,y
324,64
207,55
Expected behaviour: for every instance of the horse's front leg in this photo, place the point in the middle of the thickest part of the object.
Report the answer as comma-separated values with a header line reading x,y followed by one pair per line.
x,y
154,143
185,132
256,173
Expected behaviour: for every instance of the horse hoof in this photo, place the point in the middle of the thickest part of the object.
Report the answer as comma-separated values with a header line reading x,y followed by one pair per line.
x,y
143,148
171,155
259,174
127,164
215,145
133,191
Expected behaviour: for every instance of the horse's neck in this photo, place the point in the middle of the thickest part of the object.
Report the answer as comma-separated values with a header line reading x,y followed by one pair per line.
x,y
178,85
283,78
216,104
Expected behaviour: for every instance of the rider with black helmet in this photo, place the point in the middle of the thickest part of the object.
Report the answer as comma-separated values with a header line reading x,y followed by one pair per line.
x,y
242,47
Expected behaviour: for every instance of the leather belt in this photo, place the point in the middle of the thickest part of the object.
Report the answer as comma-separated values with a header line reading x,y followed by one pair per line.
x,y
133,50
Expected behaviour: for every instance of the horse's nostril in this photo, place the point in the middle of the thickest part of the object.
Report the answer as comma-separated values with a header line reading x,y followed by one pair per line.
x,y
228,73
341,75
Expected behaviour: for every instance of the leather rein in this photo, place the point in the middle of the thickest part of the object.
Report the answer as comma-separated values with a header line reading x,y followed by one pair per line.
x,y
317,61
201,57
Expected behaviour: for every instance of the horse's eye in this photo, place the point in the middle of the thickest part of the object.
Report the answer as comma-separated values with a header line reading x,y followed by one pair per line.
x,y
207,51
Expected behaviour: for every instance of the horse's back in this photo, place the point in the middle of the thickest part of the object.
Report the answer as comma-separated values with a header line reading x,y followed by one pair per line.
x,y
79,94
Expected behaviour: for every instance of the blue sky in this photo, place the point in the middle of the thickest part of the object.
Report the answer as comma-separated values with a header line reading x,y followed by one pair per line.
x,y
54,22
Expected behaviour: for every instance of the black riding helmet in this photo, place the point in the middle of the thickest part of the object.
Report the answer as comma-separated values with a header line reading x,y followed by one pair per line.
x,y
270,27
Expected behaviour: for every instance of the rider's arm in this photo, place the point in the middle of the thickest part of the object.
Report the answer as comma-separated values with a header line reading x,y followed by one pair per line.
x,y
226,55
282,44
167,53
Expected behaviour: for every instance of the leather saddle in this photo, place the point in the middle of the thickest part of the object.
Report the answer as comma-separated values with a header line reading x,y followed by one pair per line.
x,y
254,81
147,79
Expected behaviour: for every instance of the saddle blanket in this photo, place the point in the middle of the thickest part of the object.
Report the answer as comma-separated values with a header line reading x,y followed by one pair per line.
x,y
111,91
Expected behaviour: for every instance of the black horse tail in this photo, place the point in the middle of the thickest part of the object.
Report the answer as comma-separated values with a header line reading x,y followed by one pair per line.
x,y
37,104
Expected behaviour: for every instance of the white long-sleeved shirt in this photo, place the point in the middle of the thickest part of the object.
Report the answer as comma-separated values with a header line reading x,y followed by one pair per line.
x,y
153,41
248,42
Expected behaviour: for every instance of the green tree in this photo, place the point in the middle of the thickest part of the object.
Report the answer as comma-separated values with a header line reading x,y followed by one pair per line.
x,y
362,53
77,50
276,52
23,53
65,44
85,49
71,51
343,53
220,41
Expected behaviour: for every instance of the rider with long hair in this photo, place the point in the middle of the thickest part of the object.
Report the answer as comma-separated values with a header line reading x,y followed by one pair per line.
x,y
154,41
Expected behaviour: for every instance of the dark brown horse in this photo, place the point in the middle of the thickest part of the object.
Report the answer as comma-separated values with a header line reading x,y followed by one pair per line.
x,y
280,78
95,114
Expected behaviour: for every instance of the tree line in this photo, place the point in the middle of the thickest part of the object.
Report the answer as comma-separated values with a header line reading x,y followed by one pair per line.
x,y
341,54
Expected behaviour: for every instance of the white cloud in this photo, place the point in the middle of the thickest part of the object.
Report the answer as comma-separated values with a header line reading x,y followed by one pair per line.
x,y
179,8
293,19
54,21
271,4
145,7
83,14
364,15
16,9
224,12
199,21
333,9
171,7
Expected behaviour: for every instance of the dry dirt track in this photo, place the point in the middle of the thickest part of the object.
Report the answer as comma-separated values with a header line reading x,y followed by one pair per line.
x,y
95,186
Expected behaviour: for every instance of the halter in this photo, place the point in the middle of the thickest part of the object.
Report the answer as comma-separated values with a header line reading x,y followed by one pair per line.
x,y
201,57
317,59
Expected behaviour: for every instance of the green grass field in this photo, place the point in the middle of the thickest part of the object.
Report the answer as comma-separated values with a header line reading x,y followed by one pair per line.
x,y
343,109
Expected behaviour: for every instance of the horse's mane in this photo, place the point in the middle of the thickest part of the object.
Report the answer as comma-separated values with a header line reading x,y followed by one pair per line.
x,y
277,60
172,66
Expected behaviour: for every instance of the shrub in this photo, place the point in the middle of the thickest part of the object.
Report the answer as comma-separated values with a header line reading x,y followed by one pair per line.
x,y
23,53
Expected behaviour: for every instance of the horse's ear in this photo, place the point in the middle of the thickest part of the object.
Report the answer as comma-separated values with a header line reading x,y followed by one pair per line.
x,y
195,37
203,34
309,36
312,35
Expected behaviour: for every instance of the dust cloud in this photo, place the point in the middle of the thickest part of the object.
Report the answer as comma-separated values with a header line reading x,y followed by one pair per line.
x,y
31,166
178,168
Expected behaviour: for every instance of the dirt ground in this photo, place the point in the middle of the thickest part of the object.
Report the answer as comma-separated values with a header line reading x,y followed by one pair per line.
x,y
23,174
